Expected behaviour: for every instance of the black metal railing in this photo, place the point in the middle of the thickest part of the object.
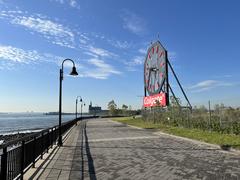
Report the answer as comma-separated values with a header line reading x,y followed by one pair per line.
x,y
21,154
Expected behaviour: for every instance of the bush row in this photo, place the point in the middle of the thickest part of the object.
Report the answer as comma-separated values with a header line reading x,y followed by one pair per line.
x,y
201,120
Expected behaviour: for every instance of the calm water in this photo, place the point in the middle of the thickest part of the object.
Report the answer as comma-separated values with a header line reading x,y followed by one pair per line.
x,y
26,122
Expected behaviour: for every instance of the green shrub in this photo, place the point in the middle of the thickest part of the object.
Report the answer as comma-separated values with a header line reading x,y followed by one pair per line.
x,y
226,123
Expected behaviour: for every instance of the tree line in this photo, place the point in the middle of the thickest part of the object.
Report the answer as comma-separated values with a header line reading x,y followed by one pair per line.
x,y
220,118
125,110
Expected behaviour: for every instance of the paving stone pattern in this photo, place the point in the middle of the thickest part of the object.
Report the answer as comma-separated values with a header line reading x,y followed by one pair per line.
x,y
102,149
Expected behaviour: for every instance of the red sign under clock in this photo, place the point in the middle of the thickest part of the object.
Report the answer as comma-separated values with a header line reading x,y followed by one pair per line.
x,y
155,100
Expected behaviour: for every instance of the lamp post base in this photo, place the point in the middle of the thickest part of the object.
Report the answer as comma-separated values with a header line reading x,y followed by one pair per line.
x,y
60,141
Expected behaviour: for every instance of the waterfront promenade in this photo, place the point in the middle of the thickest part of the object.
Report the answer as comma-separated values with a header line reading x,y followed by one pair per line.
x,y
103,149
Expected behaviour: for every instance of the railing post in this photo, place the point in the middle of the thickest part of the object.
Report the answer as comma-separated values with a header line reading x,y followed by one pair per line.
x,y
48,140
34,152
54,135
3,174
22,159
51,137
42,147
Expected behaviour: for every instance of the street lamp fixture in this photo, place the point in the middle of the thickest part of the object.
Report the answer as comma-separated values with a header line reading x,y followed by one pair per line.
x,y
77,103
73,73
83,103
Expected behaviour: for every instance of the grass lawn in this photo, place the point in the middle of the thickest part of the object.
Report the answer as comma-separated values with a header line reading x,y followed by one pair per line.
x,y
205,136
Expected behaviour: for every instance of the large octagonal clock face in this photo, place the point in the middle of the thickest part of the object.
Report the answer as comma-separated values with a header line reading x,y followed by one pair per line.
x,y
155,68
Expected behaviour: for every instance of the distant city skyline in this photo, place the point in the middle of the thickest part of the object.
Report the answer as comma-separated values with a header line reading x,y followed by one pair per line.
x,y
108,42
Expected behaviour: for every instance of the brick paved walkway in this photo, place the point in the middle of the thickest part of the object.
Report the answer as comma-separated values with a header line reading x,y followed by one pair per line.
x,y
102,149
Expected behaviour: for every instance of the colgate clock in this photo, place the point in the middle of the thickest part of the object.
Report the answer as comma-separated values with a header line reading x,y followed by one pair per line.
x,y
155,73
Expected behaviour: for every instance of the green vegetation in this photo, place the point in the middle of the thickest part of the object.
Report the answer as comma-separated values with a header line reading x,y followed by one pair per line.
x,y
201,135
124,111
112,107
221,119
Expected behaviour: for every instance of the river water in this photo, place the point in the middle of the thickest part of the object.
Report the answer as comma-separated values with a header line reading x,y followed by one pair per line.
x,y
28,122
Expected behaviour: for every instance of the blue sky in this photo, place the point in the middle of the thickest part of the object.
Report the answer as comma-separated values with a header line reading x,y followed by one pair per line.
x,y
108,42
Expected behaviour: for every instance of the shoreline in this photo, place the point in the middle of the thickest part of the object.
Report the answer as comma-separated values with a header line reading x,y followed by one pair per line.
x,y
21,131
5,138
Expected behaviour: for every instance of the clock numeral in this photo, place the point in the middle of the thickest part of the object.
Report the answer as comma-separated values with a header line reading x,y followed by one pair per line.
x,y
162,64
149,88
149,56
153,50
161,75
157,49
159,55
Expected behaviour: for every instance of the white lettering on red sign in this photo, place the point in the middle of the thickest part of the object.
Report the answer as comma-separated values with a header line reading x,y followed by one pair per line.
x,y
155,100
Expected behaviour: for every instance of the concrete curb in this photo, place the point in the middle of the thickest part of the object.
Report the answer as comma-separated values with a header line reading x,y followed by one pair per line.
x,y
126,124
201,143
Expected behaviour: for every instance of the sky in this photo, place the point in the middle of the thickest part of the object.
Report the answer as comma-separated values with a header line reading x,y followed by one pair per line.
x,y
108,41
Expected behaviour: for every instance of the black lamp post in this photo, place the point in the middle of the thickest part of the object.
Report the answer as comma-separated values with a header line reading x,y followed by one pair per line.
x,y
83,103
77,103
73,73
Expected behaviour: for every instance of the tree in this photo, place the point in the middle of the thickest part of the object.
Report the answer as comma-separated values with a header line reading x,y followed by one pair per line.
x,y
202,109
112,108
130,107
124,107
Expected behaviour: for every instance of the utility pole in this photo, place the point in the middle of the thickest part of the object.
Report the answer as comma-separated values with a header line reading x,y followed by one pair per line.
x,y
209,110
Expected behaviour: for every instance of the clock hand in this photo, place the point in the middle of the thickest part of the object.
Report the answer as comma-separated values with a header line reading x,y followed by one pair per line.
x,y
155,79
150,70
150,75
154,69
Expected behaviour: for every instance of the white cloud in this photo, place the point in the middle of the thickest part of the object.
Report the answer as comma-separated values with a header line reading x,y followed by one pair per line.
x,y
7,65
138,60
133,63
208,85
18,55
14,56
72,3
52,31
133,22
11,57
142,51
131,68
102,70
103,66
120,44
95,52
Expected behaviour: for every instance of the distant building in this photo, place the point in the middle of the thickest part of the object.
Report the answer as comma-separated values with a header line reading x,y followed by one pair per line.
x,y
96,110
